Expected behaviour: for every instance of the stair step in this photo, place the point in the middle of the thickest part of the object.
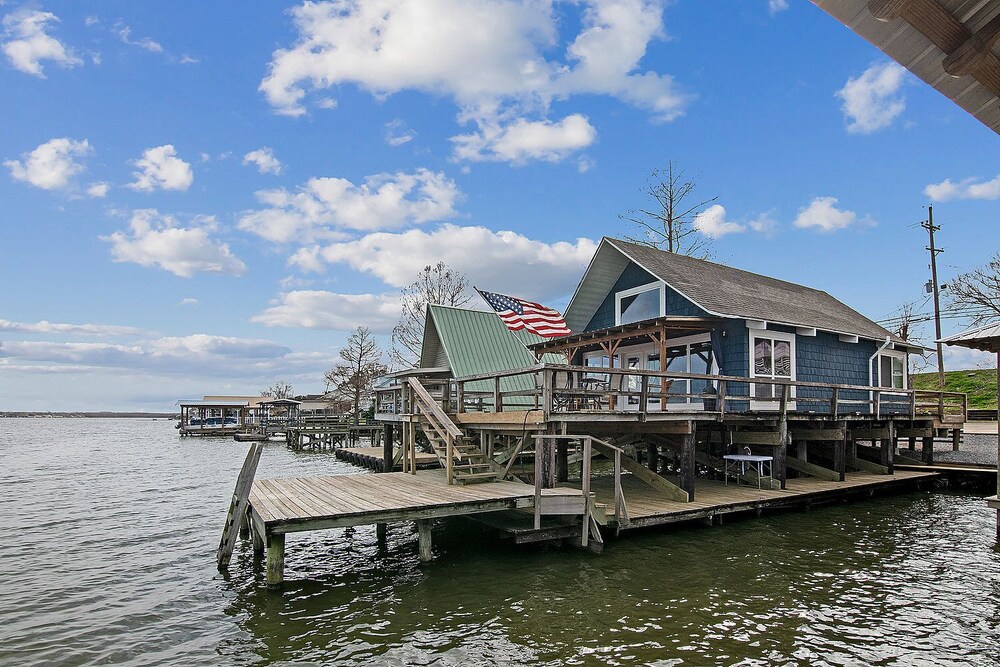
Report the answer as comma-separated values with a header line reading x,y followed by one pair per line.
x,y
470,466
477,477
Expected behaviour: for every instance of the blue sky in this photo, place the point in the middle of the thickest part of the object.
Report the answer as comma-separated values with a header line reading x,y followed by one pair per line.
x,y
205,199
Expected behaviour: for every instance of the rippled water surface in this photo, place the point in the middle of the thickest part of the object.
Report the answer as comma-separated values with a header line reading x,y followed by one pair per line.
x,y
110,530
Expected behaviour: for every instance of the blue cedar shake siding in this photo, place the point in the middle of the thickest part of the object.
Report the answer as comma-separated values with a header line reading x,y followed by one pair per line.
x,y
634,276
820,358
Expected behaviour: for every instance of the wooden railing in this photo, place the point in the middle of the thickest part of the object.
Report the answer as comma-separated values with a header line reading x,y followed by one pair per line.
x,y
437,422
562,389
542,441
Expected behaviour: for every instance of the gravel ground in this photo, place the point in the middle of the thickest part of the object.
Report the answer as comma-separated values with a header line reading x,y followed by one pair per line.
x,y
976,448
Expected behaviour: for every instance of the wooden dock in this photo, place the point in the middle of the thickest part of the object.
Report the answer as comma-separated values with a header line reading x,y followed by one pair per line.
x,y
281,506
372,458
714,499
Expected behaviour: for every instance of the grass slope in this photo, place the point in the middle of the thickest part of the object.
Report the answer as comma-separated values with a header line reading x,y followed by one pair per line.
x,y
980,385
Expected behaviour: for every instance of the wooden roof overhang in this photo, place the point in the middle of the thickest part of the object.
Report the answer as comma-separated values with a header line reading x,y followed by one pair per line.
x,y
953,45
657,330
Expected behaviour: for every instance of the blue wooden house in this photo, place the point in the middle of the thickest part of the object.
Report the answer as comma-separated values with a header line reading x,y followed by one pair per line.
x,y
644,309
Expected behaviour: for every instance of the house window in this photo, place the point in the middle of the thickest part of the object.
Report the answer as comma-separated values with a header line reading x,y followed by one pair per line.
x,y
772,356
638,304
890,370
688,355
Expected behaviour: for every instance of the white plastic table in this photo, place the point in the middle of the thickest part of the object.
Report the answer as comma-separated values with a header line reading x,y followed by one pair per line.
x,y
739,462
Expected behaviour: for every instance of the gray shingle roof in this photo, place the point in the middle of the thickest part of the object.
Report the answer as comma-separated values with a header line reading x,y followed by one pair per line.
x,y
728,292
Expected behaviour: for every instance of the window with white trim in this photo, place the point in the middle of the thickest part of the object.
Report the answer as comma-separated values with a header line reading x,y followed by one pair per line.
x,y
640,303
890,370
772,355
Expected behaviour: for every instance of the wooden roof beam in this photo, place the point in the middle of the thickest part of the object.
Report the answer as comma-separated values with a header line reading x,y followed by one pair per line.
x,y
965,53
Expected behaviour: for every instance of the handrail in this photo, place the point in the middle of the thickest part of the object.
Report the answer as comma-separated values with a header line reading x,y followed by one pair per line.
x,y
431,407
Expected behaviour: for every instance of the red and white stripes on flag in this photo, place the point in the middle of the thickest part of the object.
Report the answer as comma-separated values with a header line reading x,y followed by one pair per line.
x,y
519,314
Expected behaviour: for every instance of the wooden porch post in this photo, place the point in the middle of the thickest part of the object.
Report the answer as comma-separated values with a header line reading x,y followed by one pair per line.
x,y
889,447
387,460
562,461
781,452
840,453
687,462
927,450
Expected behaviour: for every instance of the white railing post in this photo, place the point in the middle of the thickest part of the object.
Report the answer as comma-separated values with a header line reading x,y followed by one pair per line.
x,y
585,483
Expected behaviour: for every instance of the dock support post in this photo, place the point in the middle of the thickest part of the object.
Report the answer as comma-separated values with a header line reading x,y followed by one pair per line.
x,y
653,456
927,450
562,461
381,537
781,452
912,444
889,447
424,539
687,467
387,461
840,454
275,558
258,544
956,439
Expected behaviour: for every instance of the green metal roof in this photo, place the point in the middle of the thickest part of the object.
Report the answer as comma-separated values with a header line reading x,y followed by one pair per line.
x,y
477,342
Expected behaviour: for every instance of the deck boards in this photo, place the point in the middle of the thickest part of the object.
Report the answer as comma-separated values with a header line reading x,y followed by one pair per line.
x,y
647,507
314,503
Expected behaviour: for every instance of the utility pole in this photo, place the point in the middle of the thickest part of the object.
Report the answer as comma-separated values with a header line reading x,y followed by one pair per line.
x,y
931,228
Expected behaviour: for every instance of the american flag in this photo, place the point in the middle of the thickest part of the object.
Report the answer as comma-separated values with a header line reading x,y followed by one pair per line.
x,y
519,314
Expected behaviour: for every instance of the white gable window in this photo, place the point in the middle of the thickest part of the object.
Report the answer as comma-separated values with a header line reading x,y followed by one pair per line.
x,y
640,303
889,370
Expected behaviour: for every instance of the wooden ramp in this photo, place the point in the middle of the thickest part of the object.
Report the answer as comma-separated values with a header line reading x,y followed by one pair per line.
x,y
646,507
280,506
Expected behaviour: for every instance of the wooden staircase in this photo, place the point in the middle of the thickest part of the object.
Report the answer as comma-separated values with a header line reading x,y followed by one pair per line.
x,y
463,462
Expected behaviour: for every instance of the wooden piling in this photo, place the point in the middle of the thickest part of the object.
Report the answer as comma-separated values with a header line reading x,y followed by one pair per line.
x,y
275,558
424,539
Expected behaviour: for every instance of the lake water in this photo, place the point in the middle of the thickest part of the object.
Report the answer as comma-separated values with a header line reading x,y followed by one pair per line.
x,y
108,557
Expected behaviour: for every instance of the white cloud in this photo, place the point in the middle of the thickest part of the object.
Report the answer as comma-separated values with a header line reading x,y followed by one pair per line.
x,y
160,167
822,214
98,190
324,206
157,240
188,301
27,43
498,61
712,222
263,158
763,223
314,309
125,35
872,101
523,140
46,327
52,165
968,188
504,261
396,134
776,6
200,354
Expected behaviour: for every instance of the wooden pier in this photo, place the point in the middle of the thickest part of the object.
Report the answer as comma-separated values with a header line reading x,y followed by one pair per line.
x,y
281,506
373,458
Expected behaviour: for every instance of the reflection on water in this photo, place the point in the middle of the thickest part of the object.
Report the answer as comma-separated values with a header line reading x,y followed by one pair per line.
x,y
112,525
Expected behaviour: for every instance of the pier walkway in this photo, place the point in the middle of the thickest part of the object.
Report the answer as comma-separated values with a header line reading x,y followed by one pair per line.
x,y
280,506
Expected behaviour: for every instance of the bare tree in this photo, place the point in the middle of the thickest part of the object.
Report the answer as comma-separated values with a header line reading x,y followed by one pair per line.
x,y
280,389
668,223
978,292
353,377
436,284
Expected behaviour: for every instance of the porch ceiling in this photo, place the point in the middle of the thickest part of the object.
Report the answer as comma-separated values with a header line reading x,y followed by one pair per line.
x,y
624,332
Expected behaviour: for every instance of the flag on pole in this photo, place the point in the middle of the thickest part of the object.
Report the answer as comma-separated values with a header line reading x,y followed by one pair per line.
x,y
519,314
